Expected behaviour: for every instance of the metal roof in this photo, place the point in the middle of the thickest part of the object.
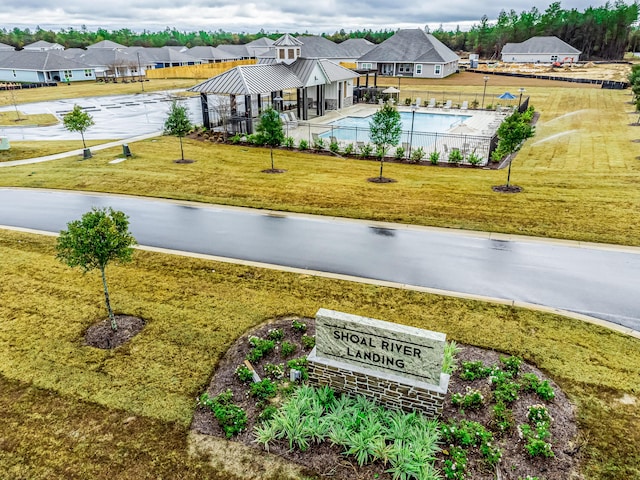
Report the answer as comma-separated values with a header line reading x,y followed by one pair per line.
x,y
287,41
552,45
250,80
411,46
335,72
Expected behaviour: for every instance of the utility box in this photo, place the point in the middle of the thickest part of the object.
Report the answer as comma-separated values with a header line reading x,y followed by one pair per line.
x,y
125,150
4,143
473,60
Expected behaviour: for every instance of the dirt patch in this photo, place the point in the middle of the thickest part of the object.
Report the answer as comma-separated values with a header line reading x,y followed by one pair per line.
x,y
328,462
102,336
381,180
186,160
273,170
506,188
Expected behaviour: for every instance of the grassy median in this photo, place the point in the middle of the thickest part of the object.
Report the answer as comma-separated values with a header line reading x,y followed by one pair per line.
x,y
58,391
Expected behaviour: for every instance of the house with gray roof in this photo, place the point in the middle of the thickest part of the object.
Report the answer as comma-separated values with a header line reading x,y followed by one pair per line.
x,y
42,66
411,53
540,50
355,47
42,46
4,47
107,44
208,54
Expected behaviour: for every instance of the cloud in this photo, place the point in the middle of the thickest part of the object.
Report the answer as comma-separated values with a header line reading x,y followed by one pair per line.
x,y
277,15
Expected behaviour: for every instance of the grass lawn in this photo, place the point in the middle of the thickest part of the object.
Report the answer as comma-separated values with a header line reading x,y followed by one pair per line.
x,y
12,118
21,150
77,412
89,89
578,174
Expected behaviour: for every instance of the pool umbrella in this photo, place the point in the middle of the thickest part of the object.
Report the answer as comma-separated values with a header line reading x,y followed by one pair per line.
x,y
507,96
463,129
393,90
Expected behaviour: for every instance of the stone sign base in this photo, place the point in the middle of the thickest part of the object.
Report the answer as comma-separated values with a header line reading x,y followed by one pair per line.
x,y
390,390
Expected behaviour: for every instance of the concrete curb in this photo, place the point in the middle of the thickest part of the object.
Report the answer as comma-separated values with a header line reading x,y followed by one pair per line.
x,y
336,276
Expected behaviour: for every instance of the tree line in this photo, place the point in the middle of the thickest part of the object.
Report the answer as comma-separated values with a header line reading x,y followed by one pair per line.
x,y
604,32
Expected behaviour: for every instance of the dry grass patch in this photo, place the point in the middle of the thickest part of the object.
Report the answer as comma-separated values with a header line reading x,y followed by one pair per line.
x,y
21,150
196,309
14,118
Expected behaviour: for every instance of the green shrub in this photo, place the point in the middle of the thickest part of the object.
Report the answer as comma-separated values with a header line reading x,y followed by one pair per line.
x,y
303,145
261,347
298,326
308,342
334,147
244,373
502,418
474,159
273,370
399,153
474,370
289,142
231,418
287,349
434,157
366,150
417,154
506,392
455,157
455,466
349,149
407,101
299,364
318,144
275,334
531,383
263,390
537,414
472,399
512,365
237,138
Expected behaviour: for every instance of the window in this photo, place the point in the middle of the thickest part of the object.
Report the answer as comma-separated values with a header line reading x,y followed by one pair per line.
x,y
14,72
418,69
298,52
554,58
405,68
68,74
291,55
281,53
365,66
437,69
87,73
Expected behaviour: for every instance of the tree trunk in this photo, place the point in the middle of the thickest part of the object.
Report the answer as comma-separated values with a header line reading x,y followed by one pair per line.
x,y
509,173
83,144
112,318
381,164
181,150
271,150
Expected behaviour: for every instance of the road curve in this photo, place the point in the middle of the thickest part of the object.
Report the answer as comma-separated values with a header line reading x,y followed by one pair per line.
x,y
597,281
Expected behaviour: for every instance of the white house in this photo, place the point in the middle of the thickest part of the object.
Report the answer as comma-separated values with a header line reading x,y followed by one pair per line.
x,y
411,53
540,50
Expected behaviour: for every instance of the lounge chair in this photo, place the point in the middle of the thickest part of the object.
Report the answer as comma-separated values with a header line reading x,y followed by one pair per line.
x,y
418,102
465,105
432,103
333,139
293,121
447,105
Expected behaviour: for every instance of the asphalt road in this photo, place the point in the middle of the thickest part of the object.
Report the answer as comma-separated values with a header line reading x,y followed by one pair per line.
x,y
599,282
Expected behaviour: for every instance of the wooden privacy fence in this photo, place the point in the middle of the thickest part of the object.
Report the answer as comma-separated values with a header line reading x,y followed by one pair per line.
x,y
203,71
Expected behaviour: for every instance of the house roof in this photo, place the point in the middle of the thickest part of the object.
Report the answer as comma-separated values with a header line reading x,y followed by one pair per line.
x,y
540,45
4,46
261,42
240,51
314,46
411,46
104,57
166,55
332,72
43,61
40,44
355,47
250,80
107,44
210,53
287,41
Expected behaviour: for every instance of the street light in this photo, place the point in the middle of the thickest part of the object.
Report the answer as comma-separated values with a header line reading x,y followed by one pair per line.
x,y
413,117
521,90
486,79
140,72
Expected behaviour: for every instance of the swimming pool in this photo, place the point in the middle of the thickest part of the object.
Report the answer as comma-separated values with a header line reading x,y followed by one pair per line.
x,y
357,128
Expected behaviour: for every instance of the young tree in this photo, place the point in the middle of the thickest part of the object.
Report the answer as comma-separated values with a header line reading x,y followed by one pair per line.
x,y
77,120
512,132
385,129
178,123
100,236
270,130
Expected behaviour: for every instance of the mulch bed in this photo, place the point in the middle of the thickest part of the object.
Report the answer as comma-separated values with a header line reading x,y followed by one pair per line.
x,y
381,180
102,336
328,462
273,170
186,160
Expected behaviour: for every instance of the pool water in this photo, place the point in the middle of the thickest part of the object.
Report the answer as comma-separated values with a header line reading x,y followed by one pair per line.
x,y
356,128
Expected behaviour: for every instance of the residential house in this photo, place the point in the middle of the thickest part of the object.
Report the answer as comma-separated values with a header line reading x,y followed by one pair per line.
x,y
540,50
210,54
411,53
42,66
6,48
42,46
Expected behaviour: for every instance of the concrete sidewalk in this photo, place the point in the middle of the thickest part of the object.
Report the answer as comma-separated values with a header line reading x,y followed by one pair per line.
x,y
79,151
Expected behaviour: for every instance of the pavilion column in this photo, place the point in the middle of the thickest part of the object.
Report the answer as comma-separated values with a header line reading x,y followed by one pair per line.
x,y
249,113
233,105
204,103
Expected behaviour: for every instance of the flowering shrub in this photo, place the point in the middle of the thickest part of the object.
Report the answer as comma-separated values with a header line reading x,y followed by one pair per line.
x,y
472,399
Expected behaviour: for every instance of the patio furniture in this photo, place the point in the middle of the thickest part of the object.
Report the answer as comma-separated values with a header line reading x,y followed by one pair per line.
x,y
447,105
432,103
418,102
465,105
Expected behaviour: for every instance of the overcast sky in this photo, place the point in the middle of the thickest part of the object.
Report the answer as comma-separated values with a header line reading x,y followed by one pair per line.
x,y
250,16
